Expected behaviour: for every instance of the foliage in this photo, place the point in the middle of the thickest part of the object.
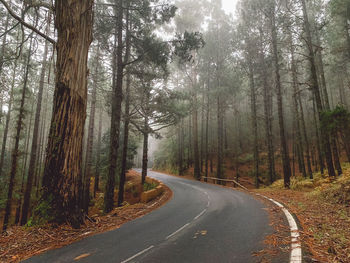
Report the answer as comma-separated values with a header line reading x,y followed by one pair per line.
x,y
149,186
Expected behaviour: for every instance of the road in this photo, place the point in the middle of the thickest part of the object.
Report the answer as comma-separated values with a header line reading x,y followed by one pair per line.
x,y
201,223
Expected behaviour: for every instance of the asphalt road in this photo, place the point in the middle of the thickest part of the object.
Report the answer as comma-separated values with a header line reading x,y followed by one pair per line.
x,y
201,223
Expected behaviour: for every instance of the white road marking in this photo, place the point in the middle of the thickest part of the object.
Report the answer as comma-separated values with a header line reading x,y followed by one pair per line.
x,y
199,215
296,253
177,231
138,254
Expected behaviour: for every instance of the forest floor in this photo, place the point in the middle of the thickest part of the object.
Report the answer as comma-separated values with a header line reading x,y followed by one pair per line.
x,y
23,242
322,206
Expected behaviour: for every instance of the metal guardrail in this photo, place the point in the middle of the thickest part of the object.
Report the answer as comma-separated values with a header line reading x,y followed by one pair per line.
x,y
227,180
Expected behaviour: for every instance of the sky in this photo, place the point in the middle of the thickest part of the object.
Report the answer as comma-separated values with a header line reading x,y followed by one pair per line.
x,y
229,6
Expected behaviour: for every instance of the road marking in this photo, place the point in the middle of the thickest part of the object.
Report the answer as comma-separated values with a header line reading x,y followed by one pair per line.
x,y
201,213
138,254
296,253
177,231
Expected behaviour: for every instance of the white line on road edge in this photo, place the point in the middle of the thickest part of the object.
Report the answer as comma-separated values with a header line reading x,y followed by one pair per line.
x,y
138,254
177,231
295,254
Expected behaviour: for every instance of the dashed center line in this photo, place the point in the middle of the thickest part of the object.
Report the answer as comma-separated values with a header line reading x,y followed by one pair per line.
x,y
138,254
177,231
201,213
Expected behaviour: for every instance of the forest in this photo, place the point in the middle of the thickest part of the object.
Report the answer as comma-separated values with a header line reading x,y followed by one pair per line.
x,y
259,95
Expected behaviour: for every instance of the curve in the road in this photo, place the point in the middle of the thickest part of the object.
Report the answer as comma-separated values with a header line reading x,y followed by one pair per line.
x,y
201,223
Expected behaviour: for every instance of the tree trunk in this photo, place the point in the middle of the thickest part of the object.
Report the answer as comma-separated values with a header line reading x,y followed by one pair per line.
x,y
90,137
3,45
284,145
62,179
197,173
24,166
118,69
98,154
207,130
220,139
145,152
33,152
307,145
296,110
315,87
254,122
318,140
15,151
267,114
126,140
7,123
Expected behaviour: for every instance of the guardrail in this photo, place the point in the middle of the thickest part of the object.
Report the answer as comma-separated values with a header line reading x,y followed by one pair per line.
x,y
226,180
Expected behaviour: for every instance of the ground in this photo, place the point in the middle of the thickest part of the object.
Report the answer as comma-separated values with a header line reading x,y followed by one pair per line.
x,y
322,207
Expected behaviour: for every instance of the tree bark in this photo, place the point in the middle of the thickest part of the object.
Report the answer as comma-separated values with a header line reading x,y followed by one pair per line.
x,y
118,70
145,151
62,179
126,140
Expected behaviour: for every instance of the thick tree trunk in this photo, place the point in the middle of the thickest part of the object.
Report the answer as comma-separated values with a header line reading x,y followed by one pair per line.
x,y
62,179
33,153
15,151
316,90
118,69
284,145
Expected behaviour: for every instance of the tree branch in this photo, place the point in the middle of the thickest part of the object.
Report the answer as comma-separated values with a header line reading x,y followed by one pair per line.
x,y
13,14
38,3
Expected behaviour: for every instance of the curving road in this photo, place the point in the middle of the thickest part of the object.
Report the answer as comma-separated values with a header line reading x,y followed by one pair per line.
x,y
201,223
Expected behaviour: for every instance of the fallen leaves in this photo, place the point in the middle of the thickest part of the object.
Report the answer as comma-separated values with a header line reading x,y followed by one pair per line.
x,y
82,256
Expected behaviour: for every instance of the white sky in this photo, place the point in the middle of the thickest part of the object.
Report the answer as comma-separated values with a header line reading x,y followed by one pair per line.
x,y
229,6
